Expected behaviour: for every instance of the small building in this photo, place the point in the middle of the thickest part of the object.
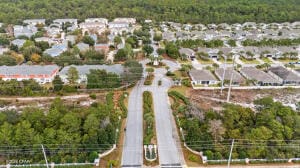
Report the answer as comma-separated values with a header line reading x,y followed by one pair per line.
x,y
188,52
237,78
3,50
259,77
18,42
27,31
285,76
35,22
56,50
82,47
40,73
96,20
202,77
131,21
102,47
83,70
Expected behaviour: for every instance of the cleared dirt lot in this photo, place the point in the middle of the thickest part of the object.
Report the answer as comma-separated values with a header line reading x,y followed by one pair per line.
x,y
207,99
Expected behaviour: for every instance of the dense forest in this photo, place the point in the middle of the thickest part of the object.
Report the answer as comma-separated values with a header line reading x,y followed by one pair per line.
x,y
204,11
70,133
270,131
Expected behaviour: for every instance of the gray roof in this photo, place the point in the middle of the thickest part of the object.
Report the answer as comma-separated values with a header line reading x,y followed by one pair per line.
x,y
236,76
85,69
202,75
186,51
28,70
284,74
258,75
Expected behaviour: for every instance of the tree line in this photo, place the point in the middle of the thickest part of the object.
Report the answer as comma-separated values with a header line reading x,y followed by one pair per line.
x,y
70,133
213,11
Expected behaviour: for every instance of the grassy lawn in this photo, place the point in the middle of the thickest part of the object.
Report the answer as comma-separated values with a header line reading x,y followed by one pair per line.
x,y
223,60
181,89
287,60
202,61
254,61
267,60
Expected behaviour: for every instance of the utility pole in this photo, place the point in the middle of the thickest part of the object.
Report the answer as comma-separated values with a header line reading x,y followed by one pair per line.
x,y
229,159
231,78
222,85
45,156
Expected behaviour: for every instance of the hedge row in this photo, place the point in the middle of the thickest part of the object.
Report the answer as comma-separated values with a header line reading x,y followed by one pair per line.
x,y
122,105
148,117
178,95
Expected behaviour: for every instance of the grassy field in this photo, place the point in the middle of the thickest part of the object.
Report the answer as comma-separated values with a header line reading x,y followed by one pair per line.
x,y
203,61
254,61
267,60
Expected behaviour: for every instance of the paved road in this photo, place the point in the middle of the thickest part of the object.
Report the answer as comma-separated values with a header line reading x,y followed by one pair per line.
x,y
132,151
169,150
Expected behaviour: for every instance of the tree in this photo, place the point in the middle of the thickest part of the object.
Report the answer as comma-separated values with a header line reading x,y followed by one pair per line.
x,y
57,83
216,129
117,41
88,40
148,49
7,60
157,37
73,75
121,55
35,58
172,50
102,79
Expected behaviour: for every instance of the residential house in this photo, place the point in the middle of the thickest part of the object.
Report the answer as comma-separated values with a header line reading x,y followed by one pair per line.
x,y
40,73
35,22
118,27
92,27
285,76
27,31
83,70
71,39
54,30
259,77
268,52
202,77
18,42
82,47
131,21
3,50
97,20
237,78
72,23
213,53
212,26
189,53
45,39
224,26
295,25
1,24
102,47
249,25
168,36
56,50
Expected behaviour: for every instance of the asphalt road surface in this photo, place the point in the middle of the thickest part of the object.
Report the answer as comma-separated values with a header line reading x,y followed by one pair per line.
x,y
132,151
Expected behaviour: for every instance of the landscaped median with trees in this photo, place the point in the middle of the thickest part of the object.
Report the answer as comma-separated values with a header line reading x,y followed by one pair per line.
x,y
149,129
70,133
270,131
149,122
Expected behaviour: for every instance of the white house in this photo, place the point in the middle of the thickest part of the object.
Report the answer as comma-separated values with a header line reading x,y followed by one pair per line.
x,y
35,22
96,20
40,73
202,77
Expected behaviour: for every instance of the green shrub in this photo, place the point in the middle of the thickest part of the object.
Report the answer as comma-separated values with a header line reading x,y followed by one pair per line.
x,y
93,96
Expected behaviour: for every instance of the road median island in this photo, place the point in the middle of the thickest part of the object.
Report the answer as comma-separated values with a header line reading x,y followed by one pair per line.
x,y
150,141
